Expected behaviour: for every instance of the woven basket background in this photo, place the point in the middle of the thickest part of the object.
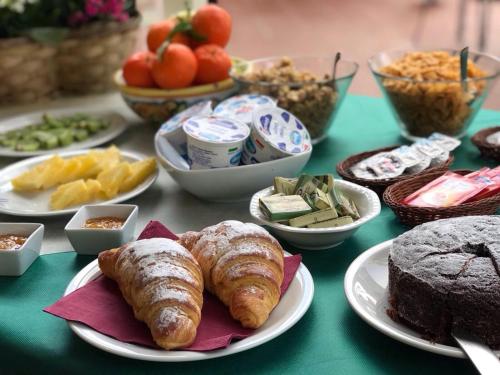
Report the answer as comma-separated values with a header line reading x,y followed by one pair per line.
x,y
379,186
27,71
89,56
412,216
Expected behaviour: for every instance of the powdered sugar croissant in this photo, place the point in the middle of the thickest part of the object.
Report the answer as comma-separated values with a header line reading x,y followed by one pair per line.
x,y
243,265
163,283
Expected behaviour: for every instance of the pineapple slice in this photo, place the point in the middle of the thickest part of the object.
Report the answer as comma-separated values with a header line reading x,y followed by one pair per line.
x,y
55,171
75,192
105,159
39,177
112,178
140,170
69,194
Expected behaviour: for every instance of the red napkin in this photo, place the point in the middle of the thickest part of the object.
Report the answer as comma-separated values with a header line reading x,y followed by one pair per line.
x,y
100,305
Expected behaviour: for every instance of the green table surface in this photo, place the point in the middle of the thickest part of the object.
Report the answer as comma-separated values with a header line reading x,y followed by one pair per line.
x,y
330,338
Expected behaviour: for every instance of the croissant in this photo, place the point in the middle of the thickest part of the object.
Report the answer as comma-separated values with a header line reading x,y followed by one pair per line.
x,y
242,265
163,283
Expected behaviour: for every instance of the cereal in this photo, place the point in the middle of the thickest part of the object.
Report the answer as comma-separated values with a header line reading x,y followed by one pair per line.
x,y
426,105
299,92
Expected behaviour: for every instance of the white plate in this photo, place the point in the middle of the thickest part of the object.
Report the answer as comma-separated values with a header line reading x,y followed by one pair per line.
x,y
37,203
117,125
367,203
365,286
291,308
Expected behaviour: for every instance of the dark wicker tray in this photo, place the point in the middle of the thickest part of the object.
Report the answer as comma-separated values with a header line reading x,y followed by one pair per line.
x,y
412,216
487,149
378,186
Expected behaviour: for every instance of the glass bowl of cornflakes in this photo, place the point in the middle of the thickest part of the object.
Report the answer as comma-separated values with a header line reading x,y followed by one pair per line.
x,y
303,85
425,93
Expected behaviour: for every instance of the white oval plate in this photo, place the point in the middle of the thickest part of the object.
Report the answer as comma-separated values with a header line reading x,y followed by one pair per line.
x,y
365,286
291,308
117,125
37,203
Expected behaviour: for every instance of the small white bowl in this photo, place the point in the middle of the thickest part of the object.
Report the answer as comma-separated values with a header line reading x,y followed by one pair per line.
x,y
91,241
366,201
16,262
229,184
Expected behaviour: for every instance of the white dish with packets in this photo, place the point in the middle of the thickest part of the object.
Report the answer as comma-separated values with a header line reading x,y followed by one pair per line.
x,y
229,184
367,203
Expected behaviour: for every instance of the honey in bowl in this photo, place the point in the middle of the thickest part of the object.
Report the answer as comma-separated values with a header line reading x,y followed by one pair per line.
x,y
11,241
104,222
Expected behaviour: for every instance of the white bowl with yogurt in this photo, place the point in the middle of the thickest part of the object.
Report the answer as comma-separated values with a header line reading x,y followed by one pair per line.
x,y
214,141
229,184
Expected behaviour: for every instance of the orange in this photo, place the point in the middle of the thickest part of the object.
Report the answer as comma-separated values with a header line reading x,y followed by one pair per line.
x,y
213,23
213,63
175,68
159,31
137,69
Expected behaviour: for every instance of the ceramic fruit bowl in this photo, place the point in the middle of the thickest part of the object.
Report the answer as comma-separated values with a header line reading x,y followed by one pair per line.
x,y
366,201
228,184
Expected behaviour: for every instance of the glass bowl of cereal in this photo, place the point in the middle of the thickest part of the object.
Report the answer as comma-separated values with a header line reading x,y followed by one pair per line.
x,y
302,85
425,93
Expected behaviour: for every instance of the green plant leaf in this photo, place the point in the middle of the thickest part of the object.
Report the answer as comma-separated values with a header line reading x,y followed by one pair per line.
x,y
47,35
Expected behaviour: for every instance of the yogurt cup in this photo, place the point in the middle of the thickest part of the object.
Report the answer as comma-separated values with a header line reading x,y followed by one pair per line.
x,y
275,134
172,128
214,141
241,107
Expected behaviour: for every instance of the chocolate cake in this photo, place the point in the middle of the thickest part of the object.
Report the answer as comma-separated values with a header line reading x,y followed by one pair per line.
x,y
445,274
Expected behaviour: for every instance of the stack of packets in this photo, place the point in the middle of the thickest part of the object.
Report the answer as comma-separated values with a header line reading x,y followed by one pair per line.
x,y
407,160
452,189
309,201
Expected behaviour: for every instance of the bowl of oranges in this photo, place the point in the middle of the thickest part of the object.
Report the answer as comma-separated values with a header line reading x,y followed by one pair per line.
x,y
185,63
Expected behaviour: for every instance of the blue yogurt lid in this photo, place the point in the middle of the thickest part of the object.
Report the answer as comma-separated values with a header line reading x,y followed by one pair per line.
x,y
282,130
241,107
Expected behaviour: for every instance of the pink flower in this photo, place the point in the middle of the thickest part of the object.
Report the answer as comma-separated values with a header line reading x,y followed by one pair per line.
x,y
93,7
77,18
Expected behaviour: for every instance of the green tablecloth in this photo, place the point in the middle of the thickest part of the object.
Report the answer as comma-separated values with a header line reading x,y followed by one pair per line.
x,y
330,338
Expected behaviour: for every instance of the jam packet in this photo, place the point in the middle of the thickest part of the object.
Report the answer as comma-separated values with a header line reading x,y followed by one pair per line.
x,y
385,165
360,170
445,142
489,177
450,189
408,155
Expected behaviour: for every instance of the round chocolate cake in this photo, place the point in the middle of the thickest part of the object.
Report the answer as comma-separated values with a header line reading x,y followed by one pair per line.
x,y
445,274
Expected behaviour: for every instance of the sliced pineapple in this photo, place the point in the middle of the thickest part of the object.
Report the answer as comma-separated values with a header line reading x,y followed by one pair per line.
x,y
74,193
55,171
113,177
140,170
69,194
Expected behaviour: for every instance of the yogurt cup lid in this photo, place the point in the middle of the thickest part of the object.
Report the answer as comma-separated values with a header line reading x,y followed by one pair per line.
x,y
241,107
203,108
216,129
282,130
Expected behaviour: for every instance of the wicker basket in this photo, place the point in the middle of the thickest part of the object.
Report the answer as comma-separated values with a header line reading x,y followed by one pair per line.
x,y
379,186
90,55
487,149
27,71
412,216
